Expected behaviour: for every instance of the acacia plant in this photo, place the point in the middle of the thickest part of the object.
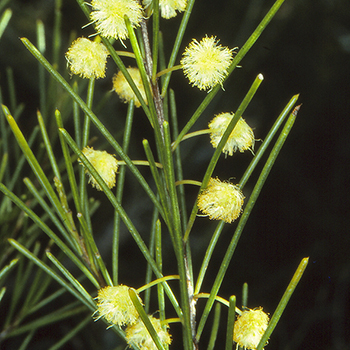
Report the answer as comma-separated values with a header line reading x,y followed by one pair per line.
x,y
80,158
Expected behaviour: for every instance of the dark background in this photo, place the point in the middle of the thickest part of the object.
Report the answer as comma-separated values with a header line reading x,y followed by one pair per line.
x,y
303,209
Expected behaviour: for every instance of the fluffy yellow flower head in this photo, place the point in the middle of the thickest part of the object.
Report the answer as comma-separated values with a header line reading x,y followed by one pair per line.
x,y
137,334
109,16
114,304
123,89
168,8
241,138
221,201
205,63
104,163
87,58
249,328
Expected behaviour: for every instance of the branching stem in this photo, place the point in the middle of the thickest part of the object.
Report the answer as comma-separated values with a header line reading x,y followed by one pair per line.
x,y
154,83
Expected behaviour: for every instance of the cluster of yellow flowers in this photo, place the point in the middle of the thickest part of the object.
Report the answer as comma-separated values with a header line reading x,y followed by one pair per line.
x,y
123,89
114,304
87,58
221,200
206,63
104,163
249,328
241,137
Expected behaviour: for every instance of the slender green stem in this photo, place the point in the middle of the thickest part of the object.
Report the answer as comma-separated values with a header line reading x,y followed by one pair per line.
x,y
155,22
192,134
155,227
186,286
158,182
230,322
4,20
96,261
40,34
119,193
145,319
6,269
86,135
208,255
177,44
178,163
159,261
143,73
188,182
57,33
89,101
168,70
283,303
3,165
2,293
48,146
122,68
245,296
70,170
217,298
11,89
76,118
214,327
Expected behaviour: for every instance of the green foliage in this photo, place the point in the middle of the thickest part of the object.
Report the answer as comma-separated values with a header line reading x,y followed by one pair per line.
x,y
49,233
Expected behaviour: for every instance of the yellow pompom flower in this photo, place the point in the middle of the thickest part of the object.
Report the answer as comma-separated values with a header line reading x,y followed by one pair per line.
x,y
114,304
104,163
241,137
109,17
123,89
249,328
205,63
168,8
221,201
87,58
137,334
